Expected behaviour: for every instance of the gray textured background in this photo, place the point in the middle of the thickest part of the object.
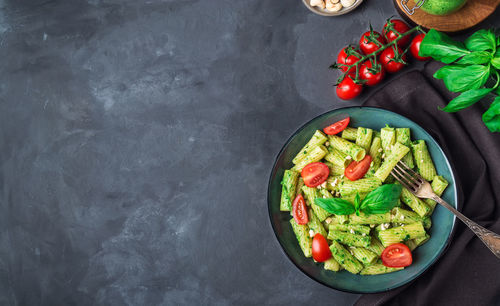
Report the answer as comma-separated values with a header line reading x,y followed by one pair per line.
x,y
136,140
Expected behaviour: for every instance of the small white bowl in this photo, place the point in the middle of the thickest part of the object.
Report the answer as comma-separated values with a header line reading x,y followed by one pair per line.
x,y
324,12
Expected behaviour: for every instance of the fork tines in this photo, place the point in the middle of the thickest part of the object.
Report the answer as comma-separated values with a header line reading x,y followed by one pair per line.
x,y
407,177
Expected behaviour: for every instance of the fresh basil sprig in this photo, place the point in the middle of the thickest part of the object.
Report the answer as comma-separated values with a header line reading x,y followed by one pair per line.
x,y
474,71
379,201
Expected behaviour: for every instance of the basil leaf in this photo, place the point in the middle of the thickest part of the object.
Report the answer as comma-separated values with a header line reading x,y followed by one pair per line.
x,y
441,47
466,78
382,199
491,117
444,71
482,40
496,60
335,206
476,57
357,202
466,99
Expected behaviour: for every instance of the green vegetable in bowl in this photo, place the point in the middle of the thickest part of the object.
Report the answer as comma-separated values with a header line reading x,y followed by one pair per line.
x,y
473,70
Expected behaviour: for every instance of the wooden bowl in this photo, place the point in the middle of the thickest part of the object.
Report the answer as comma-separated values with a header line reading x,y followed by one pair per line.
x,y
472,13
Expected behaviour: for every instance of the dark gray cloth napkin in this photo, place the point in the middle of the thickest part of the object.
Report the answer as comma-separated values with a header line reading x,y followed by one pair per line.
x,y
467,273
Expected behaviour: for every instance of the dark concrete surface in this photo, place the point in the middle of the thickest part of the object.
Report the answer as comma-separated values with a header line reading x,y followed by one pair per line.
x,y
136,140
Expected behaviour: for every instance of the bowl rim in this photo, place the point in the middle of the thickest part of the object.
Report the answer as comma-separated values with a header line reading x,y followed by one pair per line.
x,y
416,275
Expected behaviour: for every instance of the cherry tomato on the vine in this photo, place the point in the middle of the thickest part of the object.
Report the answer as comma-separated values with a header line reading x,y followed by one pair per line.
x,y
366,73
388,60
399,26
348,56
415,47
368,46
347,89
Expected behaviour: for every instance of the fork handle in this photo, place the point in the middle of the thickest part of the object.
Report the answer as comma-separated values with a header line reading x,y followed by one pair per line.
x,y
489,238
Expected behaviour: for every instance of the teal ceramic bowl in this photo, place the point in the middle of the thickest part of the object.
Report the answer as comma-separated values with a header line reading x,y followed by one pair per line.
x,y
423,257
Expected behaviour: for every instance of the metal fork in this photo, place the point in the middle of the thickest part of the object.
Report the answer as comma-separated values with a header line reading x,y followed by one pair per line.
x,y
422,189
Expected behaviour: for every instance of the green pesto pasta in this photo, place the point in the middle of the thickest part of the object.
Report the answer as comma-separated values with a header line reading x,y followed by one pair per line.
x,y
363,255
403,137
423,160
416,204
438,185
397,152
357,240
315,155
364,185
314,224
288,188
350,149
378,268
302,234
344,257
311,194
364,138
401,233
317,139
350,133
388,139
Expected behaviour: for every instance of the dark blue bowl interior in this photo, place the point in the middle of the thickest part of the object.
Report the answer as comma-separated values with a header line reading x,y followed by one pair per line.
x,y
423,257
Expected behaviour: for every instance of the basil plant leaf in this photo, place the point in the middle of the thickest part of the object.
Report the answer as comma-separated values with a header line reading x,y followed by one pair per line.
x,y
476,57
335,206
445,70
496,60
466,99
463,78
482,40
382,199
491,117
441,47
357,203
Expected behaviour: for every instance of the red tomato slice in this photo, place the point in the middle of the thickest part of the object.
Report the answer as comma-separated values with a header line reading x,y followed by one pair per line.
x,y
299,210
320,250
396,256
357,170
337,127
314,174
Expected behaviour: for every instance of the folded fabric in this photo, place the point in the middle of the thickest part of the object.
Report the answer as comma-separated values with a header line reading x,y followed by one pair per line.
x,y
467,273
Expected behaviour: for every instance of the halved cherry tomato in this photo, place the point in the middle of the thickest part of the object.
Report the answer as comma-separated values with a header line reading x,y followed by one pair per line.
x,y
415,47
357,170
401,27
367,46
343,58
314,174
365,73
347,89
396,256
387,59
337,127
320,250
299,210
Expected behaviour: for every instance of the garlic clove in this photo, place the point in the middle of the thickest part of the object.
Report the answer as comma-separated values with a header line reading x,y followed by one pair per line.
x,y
347,3
318,3
333,7
334,1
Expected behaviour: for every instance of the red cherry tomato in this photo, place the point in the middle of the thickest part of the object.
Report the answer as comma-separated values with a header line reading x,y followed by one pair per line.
x,y
343,58
415,47
396,256
357,170
299,210
367,46
337,127
366,74
387,60
320,250
347,89
401,27
314,174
